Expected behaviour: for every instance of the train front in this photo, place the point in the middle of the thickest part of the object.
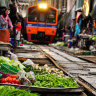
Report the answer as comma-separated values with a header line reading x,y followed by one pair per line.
x,y
41,23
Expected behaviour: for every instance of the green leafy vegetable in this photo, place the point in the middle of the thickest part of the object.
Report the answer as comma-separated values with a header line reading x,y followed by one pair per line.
x,y
92,37
45,79
11,91
16,64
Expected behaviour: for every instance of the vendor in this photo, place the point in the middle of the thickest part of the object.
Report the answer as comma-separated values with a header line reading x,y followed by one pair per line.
x,y
5,25
5,22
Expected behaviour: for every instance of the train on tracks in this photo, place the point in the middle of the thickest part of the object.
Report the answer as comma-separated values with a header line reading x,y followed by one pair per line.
x,y
41,23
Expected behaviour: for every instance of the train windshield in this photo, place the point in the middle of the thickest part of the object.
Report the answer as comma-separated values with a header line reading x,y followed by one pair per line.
x,y
32,14
36,15
51,16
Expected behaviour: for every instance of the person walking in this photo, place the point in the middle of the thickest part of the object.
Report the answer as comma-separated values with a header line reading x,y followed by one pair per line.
x,y
18,33
14,18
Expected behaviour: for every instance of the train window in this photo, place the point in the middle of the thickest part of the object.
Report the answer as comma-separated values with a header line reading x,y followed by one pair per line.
x,y
35,15
51,16
42,17
32,14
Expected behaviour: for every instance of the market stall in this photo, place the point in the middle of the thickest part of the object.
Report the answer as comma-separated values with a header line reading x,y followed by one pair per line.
x,y
36,78
4,47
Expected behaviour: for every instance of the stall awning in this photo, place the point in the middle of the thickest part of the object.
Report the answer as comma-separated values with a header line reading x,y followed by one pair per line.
x,y
93,12
4,3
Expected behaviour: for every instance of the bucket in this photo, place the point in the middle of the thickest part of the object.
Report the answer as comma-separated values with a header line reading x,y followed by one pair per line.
x,y
4,35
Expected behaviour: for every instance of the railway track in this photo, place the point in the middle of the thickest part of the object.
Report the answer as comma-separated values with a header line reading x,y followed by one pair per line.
x,y
71,66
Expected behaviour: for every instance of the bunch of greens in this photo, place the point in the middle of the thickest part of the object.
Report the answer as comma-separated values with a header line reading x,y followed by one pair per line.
x,y
16,64
92,37
29,68
38,69
54,81
11,91
45,79
4,60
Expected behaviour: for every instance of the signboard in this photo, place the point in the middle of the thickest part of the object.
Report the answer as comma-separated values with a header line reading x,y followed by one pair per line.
x,y
86,8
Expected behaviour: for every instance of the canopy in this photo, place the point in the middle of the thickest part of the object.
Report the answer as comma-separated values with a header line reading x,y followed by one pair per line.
x,y
4,3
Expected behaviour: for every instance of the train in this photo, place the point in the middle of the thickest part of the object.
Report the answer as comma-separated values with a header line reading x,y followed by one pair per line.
x,y
41,23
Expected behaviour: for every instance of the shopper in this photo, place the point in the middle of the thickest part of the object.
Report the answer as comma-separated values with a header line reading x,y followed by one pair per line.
x,y
66,35
63,33
70,32
19,8
18,32
14,18
13,12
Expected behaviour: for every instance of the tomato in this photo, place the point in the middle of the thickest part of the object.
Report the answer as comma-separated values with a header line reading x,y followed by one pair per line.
x,y
17,81
10,80
14,79
7,78
12,83
13,76
7,82
3,80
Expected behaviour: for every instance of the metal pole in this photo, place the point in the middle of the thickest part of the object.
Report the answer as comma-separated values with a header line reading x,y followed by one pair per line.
x,y
14,30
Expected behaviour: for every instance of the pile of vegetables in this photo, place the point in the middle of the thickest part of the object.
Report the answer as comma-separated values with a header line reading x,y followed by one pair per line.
x,y
46,68
11,91
39,76
27,42
17,64
57,44
45,79
92,37
12,79
83,52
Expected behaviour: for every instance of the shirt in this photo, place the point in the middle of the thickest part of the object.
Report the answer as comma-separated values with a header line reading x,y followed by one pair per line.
x,y
5,22
18,27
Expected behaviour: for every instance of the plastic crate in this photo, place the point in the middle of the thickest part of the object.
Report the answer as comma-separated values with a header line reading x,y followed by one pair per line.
x,y
87,53
8,69
4,35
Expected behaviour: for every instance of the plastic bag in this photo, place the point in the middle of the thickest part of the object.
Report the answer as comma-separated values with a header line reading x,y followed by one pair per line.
x,y
13,56
30,75
23,79
29,62
26,78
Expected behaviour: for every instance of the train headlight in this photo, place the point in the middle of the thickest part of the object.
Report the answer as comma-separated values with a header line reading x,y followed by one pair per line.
x,y
43,6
